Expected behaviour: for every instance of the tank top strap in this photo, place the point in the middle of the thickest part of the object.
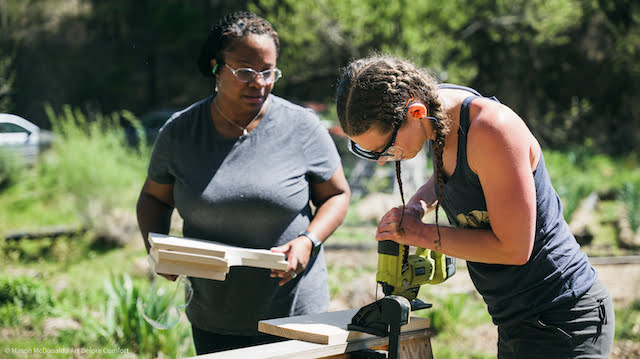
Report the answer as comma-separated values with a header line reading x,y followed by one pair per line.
x,y
463,129
464,113
458,87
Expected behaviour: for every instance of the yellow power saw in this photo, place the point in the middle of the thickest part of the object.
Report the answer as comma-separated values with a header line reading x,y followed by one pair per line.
x,y
401,275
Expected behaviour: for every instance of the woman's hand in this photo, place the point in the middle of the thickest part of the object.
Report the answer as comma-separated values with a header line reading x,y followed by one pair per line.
x,y
420,207
298,252
411,230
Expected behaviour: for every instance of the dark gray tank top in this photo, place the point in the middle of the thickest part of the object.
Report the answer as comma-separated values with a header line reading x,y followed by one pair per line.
x,y
557,270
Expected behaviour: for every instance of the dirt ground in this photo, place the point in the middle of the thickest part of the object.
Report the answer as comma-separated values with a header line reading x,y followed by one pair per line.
x,y
622,280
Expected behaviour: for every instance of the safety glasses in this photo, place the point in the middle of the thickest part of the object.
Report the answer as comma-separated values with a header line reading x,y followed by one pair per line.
x,y
246,74
163,306
389,153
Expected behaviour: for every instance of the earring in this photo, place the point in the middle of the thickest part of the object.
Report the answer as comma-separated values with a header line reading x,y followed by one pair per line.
x,y
216,87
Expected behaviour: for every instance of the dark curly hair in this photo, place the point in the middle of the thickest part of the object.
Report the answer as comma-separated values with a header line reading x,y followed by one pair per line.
x,y
233,26
373,92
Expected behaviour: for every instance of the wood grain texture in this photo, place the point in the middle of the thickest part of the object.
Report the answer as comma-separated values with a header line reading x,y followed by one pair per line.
x,y
325,328
296,349
184,268
206,259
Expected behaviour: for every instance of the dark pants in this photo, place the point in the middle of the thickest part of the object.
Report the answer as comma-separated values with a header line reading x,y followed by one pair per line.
x,y
583,328
207,342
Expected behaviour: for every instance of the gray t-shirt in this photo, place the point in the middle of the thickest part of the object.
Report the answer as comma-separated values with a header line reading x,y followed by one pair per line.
x,y
252,192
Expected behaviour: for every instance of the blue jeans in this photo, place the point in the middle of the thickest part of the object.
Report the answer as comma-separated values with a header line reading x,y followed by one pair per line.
x,y
583,328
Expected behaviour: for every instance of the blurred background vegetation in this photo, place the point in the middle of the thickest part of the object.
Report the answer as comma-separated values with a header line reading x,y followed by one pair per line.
x,y
570,68
90,70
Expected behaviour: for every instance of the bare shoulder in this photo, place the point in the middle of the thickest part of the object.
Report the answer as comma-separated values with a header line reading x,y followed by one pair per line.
x,y
495,129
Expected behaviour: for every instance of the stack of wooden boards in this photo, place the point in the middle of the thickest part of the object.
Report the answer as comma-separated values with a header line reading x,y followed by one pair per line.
x,y
206,259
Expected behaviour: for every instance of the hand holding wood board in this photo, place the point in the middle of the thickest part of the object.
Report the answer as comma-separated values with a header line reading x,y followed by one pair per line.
x,y
206,259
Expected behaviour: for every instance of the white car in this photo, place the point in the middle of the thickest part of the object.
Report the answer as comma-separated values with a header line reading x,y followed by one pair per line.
x,y
22,138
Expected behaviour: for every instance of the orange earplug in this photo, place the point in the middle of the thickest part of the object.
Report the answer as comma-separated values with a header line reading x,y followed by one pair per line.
x,y
417,110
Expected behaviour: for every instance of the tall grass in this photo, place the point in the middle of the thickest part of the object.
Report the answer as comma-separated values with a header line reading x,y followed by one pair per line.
x,y
125,326
577,173
630,195
89,165
19,295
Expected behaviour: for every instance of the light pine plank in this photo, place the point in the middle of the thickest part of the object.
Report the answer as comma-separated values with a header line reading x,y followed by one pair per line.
x,y
235,256
295,349
206,261
325,328
197,246
182,268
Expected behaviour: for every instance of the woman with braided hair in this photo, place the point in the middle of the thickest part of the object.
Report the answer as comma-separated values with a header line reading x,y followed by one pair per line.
x,y
491,181
242,166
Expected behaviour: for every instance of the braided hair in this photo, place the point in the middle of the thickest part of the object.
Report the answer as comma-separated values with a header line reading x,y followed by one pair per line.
x,y
373,92
234,26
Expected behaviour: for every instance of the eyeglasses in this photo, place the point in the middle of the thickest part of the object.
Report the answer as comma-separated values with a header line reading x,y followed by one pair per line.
x,y
246,74
162,308
389,152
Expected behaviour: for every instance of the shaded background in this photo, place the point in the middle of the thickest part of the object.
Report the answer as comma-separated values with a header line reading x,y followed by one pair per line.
x,y
570,68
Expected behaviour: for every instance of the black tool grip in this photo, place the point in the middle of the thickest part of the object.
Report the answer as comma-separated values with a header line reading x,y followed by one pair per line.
x,y
389,247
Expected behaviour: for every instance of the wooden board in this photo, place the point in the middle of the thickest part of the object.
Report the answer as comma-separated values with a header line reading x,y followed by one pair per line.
x,y
163,255
414,344
325,328
188,269
235,256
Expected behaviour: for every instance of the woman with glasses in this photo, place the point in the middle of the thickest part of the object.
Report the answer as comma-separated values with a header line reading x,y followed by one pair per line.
x,y
245,167
491,181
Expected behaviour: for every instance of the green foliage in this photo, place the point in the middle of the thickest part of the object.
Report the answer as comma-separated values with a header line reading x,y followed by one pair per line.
x,y
577,173
19,295
94,157
339,275
453,316
124,325
447,313
350,29
540,57
7,77
11,170
628,322
90,168
630,195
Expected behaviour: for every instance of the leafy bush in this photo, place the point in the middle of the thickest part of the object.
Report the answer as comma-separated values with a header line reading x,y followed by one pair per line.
x,y
19,295
93,160
90,169
125,326
577,173
11,169
630,195
628,322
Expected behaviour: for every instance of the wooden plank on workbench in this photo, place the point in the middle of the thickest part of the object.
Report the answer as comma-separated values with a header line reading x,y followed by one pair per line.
x,y
325,328
296,349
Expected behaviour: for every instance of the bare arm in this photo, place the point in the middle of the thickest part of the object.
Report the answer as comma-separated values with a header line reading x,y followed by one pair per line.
x,y
502,151
154,209
331,199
